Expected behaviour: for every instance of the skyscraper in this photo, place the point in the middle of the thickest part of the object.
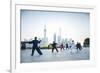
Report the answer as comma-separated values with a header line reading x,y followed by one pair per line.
x,y
55,37
45,31
59,36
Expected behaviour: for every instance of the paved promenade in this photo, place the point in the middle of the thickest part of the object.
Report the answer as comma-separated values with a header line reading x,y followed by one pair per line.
x,y
48,56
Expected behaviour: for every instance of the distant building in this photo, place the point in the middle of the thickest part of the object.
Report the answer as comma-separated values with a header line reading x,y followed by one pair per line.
x,y
45,31
54,37
59,36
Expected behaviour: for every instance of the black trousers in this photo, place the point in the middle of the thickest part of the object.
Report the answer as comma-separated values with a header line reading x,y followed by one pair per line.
x,y
79,48
37,49
54,48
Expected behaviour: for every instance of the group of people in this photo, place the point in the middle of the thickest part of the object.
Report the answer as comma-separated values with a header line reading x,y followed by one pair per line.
x,y
69,45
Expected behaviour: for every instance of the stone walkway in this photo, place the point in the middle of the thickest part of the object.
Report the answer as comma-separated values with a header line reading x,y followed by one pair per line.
x,y
48,56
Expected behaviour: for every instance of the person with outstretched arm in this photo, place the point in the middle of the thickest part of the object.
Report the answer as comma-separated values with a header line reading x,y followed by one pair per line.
x,y
54,46
35,46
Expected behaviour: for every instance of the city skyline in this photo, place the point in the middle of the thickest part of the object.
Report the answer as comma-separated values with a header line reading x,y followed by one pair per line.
x,y
68,25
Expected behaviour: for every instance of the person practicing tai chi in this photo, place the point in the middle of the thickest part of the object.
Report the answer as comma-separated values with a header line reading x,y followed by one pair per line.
x,y
73,47
78,46
54,46
62,47
66,46
35,46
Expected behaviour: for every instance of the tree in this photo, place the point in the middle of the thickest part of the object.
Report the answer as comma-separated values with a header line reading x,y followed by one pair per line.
x,y
86,42
23,45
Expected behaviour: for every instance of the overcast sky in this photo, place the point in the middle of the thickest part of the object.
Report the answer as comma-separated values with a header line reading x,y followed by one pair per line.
x,y
73,25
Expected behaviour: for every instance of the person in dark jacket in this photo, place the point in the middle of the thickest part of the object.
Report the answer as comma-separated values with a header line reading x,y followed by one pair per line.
x,y
66,45
78,46
35,43
54,46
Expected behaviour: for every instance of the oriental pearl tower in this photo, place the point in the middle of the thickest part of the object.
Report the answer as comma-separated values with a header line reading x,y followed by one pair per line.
x,y
45,31
45,36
